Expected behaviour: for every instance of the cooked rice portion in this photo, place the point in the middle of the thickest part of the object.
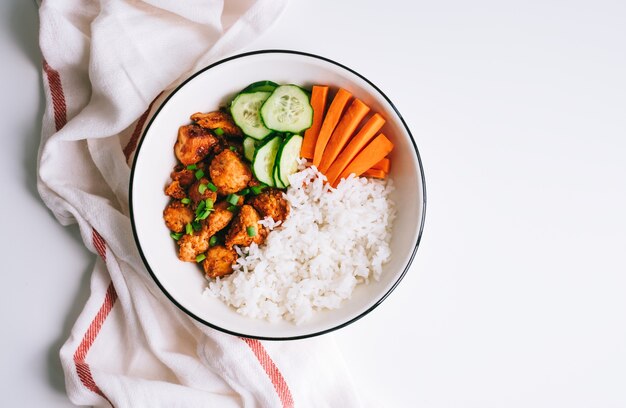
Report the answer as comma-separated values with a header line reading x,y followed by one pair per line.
x,y
333,240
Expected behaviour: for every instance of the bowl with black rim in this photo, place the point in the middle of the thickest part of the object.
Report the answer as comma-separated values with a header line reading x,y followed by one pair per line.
x,y
215,86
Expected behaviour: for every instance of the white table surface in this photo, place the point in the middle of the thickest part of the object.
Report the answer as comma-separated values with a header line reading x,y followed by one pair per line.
x,y
517,296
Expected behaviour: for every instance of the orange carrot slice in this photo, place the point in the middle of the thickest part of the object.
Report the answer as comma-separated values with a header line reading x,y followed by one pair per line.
x,y
383,165
358,142
376,173
372,154
330,121
318,102
344,130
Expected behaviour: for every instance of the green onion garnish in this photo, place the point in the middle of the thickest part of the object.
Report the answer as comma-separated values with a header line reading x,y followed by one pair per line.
x,y
199,174
209,204
213,240
219,131
233,199
176,235
192,167
200,258
232,148
244,192
185,200
251,231
256,190
200,207
202,188
212,187
232,208
188,229
196,226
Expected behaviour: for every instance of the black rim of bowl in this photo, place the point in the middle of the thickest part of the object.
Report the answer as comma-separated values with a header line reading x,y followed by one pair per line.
x,y
317,333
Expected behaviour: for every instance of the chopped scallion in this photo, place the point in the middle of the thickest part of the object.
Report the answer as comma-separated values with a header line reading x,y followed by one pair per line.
x,y
244,192
232,208
188,229
202,188
200,207
212,187
232,148
200,258
185,200
199,174
213,240
233,199
251,231
192,167
256,190
219,131
209,204
196,226
176,235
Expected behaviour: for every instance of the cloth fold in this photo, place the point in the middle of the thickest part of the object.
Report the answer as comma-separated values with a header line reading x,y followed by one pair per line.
x,y
107,65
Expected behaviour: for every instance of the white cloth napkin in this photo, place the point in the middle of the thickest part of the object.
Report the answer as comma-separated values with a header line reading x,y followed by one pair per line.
x,y
105,63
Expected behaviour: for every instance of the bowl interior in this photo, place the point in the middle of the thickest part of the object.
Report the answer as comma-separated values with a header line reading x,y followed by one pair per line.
x,y
207,91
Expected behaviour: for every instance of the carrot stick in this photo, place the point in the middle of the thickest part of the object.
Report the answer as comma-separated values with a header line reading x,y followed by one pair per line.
x,y
373,152
330,121
318,102
376,173
383,165
358,142
344,130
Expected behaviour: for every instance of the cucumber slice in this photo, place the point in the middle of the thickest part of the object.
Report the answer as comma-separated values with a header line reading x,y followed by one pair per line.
x,y
287,110
263,161
287,159
249,146
264,86
277,181
245,110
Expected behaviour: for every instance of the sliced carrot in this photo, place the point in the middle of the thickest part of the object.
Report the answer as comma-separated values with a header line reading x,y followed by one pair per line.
x,y
344,130
318,102
383,165
358,142
376,173
372,154
330,122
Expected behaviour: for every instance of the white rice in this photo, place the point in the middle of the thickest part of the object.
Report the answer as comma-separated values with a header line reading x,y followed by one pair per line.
x,y
333,240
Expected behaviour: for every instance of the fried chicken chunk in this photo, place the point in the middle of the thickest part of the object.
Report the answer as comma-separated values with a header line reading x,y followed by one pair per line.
x,y
196,196
271,203
190,246
193,144
177,215
238,234
184,176
175,190
229,173
219,261
215,120
219,218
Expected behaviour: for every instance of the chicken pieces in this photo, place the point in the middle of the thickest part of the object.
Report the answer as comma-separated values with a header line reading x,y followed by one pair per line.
x,y
177,215
217,120
193,144
219,261
219,218
245,228
229,173
200,191
271,203
192,245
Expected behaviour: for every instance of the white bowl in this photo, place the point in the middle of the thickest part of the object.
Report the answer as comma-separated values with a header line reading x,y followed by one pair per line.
x,y
214,86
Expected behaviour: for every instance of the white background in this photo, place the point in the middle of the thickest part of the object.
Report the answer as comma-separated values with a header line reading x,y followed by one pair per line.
x,y
517,297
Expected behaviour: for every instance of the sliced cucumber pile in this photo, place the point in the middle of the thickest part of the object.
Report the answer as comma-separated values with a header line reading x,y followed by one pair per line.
x,y
263,161
287,109
271,116
245,110
287,158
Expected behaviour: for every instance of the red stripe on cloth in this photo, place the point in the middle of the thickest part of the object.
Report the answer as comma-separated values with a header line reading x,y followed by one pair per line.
x,y
278,381
58,97
132,143
99,244
82,368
